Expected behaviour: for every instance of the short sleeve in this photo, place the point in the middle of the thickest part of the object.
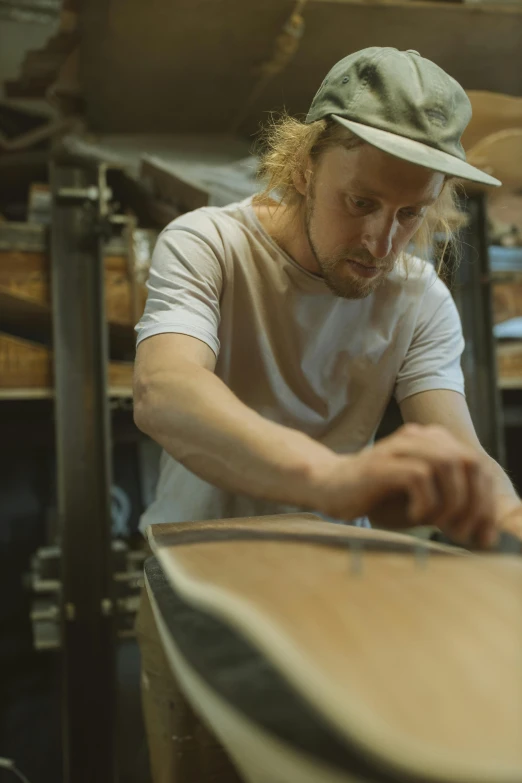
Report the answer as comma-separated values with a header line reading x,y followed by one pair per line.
x,y
184,286
434,355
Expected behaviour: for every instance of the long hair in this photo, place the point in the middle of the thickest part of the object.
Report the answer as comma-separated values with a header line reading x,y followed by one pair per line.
x,y
286,144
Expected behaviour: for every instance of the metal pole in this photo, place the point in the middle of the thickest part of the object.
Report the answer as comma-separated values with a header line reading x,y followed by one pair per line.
x,y
472,294
83,467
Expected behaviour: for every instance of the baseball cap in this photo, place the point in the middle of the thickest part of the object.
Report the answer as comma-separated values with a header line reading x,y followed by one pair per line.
x,y
403,104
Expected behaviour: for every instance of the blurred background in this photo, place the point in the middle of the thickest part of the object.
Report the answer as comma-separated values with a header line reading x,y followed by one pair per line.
x,y
116,116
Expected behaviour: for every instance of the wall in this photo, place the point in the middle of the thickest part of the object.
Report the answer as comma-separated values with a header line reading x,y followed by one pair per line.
x,y
189,65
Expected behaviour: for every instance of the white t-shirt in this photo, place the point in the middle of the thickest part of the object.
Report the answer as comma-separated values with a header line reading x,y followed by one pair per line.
x,y
289,348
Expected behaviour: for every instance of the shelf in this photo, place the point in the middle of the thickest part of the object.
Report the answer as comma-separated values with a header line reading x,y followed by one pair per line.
x,y
505,259
114,392
29,318
26,371
510,383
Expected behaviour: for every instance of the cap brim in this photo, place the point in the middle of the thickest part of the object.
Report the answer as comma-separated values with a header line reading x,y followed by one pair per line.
x,y
417,153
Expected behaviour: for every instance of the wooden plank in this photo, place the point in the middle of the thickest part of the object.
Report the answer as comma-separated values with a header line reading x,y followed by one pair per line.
x,y
500,154
26,365
30,318
26,394
120,375
507,301
505,215
393,652
24,315
506,6
114,392
492,112
27,274
509,363
510,383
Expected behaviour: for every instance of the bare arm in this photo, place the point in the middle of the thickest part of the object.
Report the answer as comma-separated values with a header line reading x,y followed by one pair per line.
x,y
181,404
191,413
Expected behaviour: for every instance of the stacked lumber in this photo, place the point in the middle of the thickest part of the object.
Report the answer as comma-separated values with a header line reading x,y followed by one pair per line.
x,y
509,364
26,367
507,300
27,275
26,313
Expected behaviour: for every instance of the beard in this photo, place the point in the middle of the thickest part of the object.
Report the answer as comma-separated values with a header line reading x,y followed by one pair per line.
x,y
338,274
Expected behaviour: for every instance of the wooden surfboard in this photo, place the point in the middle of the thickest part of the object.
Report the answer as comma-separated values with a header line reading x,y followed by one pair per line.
x,y
371,655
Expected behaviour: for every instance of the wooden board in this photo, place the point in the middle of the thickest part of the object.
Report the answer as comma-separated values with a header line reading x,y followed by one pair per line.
x,y
21,312
500,154
509,363
27,274
507,301
30,318
492,112
415,661
26,365
504,210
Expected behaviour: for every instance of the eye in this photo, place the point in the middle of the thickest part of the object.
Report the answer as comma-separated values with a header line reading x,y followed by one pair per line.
x,y
360,203
413,214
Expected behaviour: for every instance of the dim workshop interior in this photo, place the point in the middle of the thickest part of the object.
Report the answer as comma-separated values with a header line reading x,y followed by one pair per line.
x,y
261,391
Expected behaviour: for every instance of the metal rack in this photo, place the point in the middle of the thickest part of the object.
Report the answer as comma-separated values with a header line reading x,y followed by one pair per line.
x,y
472,294
79,223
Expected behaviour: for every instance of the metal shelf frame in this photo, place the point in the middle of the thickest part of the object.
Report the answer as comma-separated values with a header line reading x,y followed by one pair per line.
x,y
87,608
472,293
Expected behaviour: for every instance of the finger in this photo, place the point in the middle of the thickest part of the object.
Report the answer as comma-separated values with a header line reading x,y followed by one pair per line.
x,y
453,486
424,495
447,458
486,536
465,487
484,533
477,520
408,478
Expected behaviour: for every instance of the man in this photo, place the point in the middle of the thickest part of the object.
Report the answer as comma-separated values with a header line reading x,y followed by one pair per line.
x,y
276,331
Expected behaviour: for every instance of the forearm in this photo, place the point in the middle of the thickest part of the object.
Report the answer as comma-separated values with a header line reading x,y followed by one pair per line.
x,y
203,425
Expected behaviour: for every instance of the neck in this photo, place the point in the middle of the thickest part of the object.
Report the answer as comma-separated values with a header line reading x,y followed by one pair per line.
x,y
287,227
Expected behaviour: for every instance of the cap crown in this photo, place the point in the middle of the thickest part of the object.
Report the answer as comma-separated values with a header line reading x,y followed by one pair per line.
x,y
399,92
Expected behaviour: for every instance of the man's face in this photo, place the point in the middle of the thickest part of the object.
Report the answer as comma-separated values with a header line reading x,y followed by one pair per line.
x,y
362,208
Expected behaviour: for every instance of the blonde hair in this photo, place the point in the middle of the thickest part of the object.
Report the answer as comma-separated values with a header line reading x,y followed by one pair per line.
x,y
285,147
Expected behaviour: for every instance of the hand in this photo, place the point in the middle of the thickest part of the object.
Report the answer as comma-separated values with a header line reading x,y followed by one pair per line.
x,y
441,481
512,521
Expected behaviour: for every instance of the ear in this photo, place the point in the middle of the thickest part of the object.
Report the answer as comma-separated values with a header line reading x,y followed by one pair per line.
x,y
303,177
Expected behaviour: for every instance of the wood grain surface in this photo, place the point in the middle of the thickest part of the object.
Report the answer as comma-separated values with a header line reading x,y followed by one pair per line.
x,y
492,112
29,365
416,658
500,154
27,276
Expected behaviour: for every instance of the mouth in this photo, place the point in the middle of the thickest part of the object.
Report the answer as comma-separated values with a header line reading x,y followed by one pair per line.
x,y
362,269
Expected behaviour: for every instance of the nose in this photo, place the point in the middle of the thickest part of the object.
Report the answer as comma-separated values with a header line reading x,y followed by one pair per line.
x,y
378,234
